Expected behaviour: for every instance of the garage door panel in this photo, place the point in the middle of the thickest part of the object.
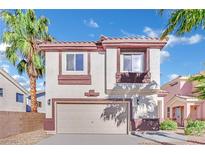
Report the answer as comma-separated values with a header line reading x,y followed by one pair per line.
x,y
87,118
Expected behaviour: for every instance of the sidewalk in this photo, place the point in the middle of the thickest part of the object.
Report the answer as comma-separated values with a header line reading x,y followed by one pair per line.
x,y
167,138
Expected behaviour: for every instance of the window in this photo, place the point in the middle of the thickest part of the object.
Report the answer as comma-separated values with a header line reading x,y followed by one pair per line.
x,y
1,92
133,62
19,97
74,62
168,112
39,104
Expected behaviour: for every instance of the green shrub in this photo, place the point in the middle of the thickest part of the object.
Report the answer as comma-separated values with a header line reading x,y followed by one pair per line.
x,y
196,127
168,125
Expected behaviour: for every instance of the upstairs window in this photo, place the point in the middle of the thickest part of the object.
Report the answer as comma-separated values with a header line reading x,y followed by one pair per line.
x,y
1,92
19,98
74,62
133,62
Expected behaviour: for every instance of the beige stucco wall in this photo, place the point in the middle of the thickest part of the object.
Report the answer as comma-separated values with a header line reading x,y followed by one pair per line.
x,y
42,109
103,77
8,101
53,90
155,66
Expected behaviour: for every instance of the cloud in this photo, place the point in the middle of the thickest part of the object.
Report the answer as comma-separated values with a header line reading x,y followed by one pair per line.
x,y
128,34
3,47
18,77
164,55
92,35
91,23
172,76
151,32
22,80
5,67
40,86
174,40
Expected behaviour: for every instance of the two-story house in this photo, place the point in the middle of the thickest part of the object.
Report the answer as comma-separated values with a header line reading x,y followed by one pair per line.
x,y
12,94
110,86
181,103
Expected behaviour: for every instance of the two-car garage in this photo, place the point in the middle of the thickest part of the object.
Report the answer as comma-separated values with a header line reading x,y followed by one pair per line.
x,y
92,117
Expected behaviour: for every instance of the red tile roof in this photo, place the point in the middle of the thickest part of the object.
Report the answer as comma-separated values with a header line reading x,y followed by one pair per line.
x,y
104,40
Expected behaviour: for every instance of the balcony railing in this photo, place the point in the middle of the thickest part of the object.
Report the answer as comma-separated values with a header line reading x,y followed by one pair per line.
x,y
130,77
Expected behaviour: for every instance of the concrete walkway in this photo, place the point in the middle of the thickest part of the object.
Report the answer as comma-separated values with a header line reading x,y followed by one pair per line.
x,y
163,137
82,139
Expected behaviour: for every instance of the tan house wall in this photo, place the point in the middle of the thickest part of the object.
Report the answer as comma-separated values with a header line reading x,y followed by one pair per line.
x,y
103,77
8,101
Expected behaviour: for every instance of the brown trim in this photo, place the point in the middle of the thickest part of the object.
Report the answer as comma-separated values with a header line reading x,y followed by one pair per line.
x,y
148,60
118,60
74,79
68,48
88,63
49,123
91,93
134,45
134,42
60,63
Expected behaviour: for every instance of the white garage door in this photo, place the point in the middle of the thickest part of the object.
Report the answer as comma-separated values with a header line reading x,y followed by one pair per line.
x,y
92,118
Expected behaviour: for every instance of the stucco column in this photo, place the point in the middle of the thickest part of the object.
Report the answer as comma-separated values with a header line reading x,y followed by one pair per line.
x,y
186,112
199,115
161,108
170,115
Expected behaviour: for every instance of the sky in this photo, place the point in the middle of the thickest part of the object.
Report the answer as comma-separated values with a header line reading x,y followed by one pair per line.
x,y
183,55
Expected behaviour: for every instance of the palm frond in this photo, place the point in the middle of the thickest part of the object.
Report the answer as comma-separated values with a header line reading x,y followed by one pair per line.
x,y
22,66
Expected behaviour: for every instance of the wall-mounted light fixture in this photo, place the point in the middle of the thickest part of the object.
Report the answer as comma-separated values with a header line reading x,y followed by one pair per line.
x,y
49,102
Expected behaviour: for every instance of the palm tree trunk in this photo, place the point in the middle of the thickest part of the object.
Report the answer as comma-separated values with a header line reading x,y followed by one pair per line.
x,y
33,94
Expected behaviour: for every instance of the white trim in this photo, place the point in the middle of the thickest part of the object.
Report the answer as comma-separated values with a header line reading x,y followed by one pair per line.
x,y
65,72
131,53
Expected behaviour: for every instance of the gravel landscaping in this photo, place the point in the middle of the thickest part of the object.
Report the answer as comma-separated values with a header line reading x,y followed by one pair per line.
x,y
25,138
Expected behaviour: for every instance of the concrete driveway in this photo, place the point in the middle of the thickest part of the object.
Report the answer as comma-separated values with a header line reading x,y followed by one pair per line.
x,y
79,139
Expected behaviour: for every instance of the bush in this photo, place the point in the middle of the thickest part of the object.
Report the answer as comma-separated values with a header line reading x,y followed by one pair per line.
x,y
196,127
168,125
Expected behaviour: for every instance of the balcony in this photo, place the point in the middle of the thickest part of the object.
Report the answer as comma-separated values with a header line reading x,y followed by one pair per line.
x,y
133,77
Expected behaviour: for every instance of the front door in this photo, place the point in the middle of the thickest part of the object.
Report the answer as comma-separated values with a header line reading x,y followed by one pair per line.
x,y
179,112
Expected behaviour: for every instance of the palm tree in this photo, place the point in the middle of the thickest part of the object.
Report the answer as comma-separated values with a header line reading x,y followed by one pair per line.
x,y
182,21
23,33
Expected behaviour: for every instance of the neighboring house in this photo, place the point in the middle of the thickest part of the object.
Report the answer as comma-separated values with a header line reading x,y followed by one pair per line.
x,y
12,94
180,102
40,102
110,86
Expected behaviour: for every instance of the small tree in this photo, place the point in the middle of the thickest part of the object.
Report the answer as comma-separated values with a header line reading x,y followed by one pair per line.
x,y
181,22
23,32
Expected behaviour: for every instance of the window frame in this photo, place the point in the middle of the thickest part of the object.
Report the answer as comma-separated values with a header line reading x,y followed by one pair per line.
x,y
1,92
19,101
74,72
132,53
75,62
